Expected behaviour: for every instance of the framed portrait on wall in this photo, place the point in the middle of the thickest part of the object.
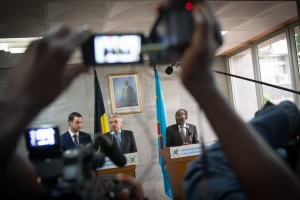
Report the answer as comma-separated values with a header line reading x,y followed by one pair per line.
x,y
125,93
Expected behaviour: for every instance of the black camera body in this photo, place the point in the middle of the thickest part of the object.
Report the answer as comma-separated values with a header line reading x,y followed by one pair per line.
x,y
70,174
167,40
173,30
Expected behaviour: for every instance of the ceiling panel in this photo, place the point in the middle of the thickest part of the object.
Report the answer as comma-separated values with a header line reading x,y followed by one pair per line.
x,y
127,27
215,6
242,9
23,29
77,11
286,10
20,11
94,26
260,24
230,24
31,18
133,10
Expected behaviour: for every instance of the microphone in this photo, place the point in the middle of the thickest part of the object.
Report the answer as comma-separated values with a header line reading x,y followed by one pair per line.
x,y
188,130
108,147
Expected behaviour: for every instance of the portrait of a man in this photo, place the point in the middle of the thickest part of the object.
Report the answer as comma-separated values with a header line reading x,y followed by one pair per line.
x,y
125,93
128,95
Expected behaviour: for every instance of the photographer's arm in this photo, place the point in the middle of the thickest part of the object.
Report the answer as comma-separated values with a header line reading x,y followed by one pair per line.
x,y
38,78
136,186
251,158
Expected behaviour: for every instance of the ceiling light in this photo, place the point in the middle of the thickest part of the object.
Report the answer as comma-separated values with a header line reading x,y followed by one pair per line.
x,y
4,47
17,50
16,45
224,32
18,40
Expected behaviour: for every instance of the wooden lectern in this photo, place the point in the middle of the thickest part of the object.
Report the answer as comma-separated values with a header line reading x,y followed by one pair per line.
x,y
110,168
130,170
176,169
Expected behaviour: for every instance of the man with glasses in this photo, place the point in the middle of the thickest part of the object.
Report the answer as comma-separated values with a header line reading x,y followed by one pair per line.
x,y
181,133
74,137
124,139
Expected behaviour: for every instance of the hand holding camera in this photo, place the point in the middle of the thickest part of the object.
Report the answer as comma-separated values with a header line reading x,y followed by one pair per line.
x,y
26,93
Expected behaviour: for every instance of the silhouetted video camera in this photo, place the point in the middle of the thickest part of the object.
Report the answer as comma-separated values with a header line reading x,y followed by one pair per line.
x,y
70,174
167,40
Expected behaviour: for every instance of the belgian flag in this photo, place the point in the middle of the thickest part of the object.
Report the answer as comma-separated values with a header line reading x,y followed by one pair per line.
x,y
100,124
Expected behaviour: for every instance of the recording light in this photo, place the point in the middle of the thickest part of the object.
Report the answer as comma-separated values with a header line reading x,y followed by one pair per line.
x,y
189,6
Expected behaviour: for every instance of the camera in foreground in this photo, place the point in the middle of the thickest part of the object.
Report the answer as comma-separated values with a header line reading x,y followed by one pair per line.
x,y
167,40
70,174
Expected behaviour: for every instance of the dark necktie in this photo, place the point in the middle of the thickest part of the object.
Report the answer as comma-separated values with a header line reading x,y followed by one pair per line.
x,y
118,140
182,134
75,140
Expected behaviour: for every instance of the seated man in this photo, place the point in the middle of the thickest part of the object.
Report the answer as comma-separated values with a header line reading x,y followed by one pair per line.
x,y
181,133
124,139
74,137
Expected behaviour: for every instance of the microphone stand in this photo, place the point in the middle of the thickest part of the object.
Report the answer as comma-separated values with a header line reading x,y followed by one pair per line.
x,y
259,82
251,80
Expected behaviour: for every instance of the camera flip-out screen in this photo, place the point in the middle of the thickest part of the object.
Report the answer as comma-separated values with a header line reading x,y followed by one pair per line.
x,y
109,49
43,140
117,48
42,137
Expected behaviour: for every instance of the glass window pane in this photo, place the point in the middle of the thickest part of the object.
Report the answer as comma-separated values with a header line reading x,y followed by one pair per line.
x,y
244,91
275,69
297,39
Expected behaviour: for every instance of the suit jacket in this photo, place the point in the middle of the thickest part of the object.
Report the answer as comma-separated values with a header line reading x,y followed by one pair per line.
x,y
67,141
174,138
127,141
128,96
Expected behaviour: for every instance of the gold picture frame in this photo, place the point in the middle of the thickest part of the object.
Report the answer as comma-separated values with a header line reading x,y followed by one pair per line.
x,y
125,99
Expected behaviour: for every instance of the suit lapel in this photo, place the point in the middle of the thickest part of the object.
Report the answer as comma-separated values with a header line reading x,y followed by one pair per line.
x,y
69,140
123,140
81,138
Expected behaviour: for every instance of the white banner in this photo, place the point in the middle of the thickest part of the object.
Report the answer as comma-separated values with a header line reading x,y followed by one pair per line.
x,y
132,159
187,150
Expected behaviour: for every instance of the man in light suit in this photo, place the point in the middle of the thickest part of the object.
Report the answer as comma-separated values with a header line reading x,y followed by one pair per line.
x,y
124,139
74,137
181,133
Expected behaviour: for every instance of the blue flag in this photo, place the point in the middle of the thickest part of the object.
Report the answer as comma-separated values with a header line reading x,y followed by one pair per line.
x,y
161,132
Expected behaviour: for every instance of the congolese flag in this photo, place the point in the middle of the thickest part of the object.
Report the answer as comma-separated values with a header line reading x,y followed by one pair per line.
x,y
161,131
100,124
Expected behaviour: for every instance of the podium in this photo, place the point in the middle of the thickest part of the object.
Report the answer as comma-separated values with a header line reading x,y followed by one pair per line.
x,y
110,168
177,159
129,170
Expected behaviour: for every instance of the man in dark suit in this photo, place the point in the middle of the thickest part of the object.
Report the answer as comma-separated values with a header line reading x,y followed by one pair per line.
x,y
181,133
124,139
128,95
74,137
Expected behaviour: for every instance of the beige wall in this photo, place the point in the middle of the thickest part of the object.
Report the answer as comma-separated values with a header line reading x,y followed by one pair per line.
x,y
80,97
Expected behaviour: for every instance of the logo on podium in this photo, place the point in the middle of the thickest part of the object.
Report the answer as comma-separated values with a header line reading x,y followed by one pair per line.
x,y
132,159
175,153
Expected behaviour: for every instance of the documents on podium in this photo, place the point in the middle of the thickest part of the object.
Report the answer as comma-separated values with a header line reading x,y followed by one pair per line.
x,y
110,168
177,159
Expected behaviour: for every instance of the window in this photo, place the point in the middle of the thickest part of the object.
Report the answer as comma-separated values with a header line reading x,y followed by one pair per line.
x,y
297,40
244,91
275,69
